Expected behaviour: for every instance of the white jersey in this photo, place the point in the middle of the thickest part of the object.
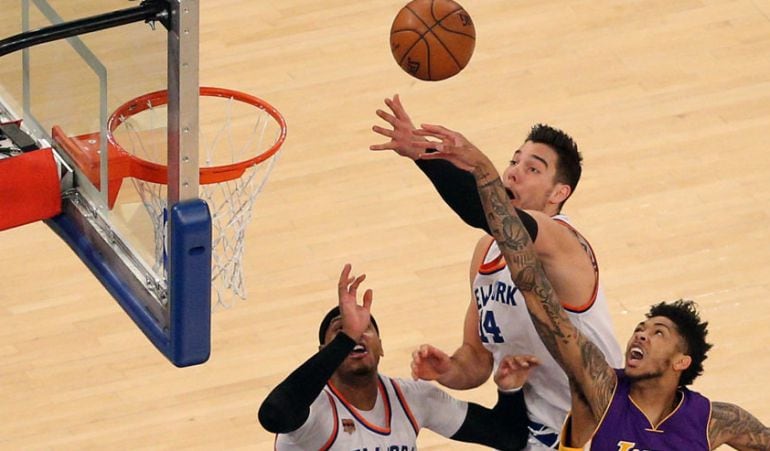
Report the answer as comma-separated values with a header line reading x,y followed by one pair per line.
x,y
402,408
505,328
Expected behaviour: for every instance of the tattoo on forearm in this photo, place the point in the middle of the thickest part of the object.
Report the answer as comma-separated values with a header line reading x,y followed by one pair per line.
x,y
526,270
550,319
735,426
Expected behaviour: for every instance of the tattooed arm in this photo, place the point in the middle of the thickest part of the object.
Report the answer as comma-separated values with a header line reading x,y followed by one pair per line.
x,y
736,427
583,362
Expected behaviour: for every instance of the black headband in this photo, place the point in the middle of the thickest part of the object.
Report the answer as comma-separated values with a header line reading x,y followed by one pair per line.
x,y
334,313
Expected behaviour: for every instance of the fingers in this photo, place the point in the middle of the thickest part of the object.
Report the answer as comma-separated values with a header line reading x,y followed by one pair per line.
x,y
527,361
348,284
395,105
368,296
414,365
344,277
512,363
438,130
386,132
387,117
421,365
356,282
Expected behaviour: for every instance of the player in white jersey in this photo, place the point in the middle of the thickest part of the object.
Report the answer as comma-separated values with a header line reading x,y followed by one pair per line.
x,y
337,400
505,328
543,173
645,405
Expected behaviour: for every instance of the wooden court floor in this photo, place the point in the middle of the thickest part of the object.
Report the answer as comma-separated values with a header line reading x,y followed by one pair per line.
x,y
669,101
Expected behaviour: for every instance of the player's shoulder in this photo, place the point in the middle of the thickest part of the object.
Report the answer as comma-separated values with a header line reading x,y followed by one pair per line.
x,y
479,252
413,388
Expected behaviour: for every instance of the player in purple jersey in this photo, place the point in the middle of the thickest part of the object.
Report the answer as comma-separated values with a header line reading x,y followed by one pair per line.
x,y
643,406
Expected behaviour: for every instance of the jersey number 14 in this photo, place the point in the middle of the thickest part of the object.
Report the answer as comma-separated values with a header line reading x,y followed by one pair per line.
x,y
488,327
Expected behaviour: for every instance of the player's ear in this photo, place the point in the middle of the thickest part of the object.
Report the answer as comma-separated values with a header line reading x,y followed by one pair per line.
x,y
682,362
560,193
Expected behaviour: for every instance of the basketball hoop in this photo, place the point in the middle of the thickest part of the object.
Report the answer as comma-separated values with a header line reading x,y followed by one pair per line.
x,y
240,136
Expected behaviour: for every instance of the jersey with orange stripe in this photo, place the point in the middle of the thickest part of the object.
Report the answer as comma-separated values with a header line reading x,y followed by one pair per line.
x,y
402,408
505,328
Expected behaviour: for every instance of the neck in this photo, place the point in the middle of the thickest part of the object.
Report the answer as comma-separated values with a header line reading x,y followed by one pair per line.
x,y
656,398
551,210
358,390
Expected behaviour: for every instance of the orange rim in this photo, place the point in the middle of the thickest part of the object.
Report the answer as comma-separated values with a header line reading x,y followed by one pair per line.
x,y
158,173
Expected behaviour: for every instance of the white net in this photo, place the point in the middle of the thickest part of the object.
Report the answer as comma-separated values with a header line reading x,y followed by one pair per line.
x,y
231,131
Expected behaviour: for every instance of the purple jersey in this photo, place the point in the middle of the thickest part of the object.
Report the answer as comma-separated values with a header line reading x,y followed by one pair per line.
x,y
625,427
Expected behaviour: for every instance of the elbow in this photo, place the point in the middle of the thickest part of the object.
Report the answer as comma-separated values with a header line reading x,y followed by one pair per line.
x,y
266,419
280,421
273,420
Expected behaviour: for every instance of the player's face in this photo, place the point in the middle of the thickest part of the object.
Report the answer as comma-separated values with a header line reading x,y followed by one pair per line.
x,y
365,356
530,179
654,349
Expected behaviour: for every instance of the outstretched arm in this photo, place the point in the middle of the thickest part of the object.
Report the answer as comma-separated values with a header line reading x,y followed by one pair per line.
x,y
287,407
456,187
583,362
736,427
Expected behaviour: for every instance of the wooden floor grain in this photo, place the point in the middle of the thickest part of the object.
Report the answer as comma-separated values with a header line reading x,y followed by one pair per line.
x,y
669,101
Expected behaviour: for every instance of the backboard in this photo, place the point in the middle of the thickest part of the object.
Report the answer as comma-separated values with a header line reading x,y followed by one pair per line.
x,y
72,85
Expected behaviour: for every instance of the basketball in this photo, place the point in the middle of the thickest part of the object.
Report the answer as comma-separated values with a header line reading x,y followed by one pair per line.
x,y
432,39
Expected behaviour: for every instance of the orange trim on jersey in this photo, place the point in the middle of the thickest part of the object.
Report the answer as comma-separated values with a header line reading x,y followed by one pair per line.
x,y
336,429
493,266
405,406
384,430
580,308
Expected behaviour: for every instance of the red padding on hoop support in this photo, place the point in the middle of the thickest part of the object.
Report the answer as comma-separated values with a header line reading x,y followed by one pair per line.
x,y
29,188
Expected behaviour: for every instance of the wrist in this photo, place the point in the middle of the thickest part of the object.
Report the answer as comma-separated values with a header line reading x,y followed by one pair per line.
x,y
485,172
510,391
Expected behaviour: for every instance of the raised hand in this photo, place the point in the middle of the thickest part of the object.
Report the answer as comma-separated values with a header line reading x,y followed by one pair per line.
x,y
429,363
401,135
355,318
451,146
513,371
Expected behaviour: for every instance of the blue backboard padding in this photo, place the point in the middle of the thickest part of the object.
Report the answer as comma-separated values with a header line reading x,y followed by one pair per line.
x,y
186,340
189,282
65,227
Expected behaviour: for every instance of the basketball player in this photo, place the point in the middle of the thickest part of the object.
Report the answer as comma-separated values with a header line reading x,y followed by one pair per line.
x,y
645,405
338,400
542,175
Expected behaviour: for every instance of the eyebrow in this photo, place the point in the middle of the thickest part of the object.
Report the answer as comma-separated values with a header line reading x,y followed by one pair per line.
x,y
540,159
657,323
536,157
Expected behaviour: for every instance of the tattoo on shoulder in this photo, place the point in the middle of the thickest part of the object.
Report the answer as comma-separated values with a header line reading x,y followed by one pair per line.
x,y
735,426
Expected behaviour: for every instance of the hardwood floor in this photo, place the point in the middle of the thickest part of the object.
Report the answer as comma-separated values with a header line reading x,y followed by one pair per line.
x,y
669,101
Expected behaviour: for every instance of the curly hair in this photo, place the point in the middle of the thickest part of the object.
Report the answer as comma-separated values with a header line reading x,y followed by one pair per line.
x,y
684,314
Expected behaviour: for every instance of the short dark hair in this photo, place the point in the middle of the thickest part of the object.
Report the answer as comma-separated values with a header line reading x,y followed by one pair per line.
x,y
569,167
332,314
684,314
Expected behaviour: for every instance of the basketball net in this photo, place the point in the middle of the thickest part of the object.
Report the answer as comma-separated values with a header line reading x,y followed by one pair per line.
x,y
232,132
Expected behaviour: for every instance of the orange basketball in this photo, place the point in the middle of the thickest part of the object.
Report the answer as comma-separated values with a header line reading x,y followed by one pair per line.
x,y
432,39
